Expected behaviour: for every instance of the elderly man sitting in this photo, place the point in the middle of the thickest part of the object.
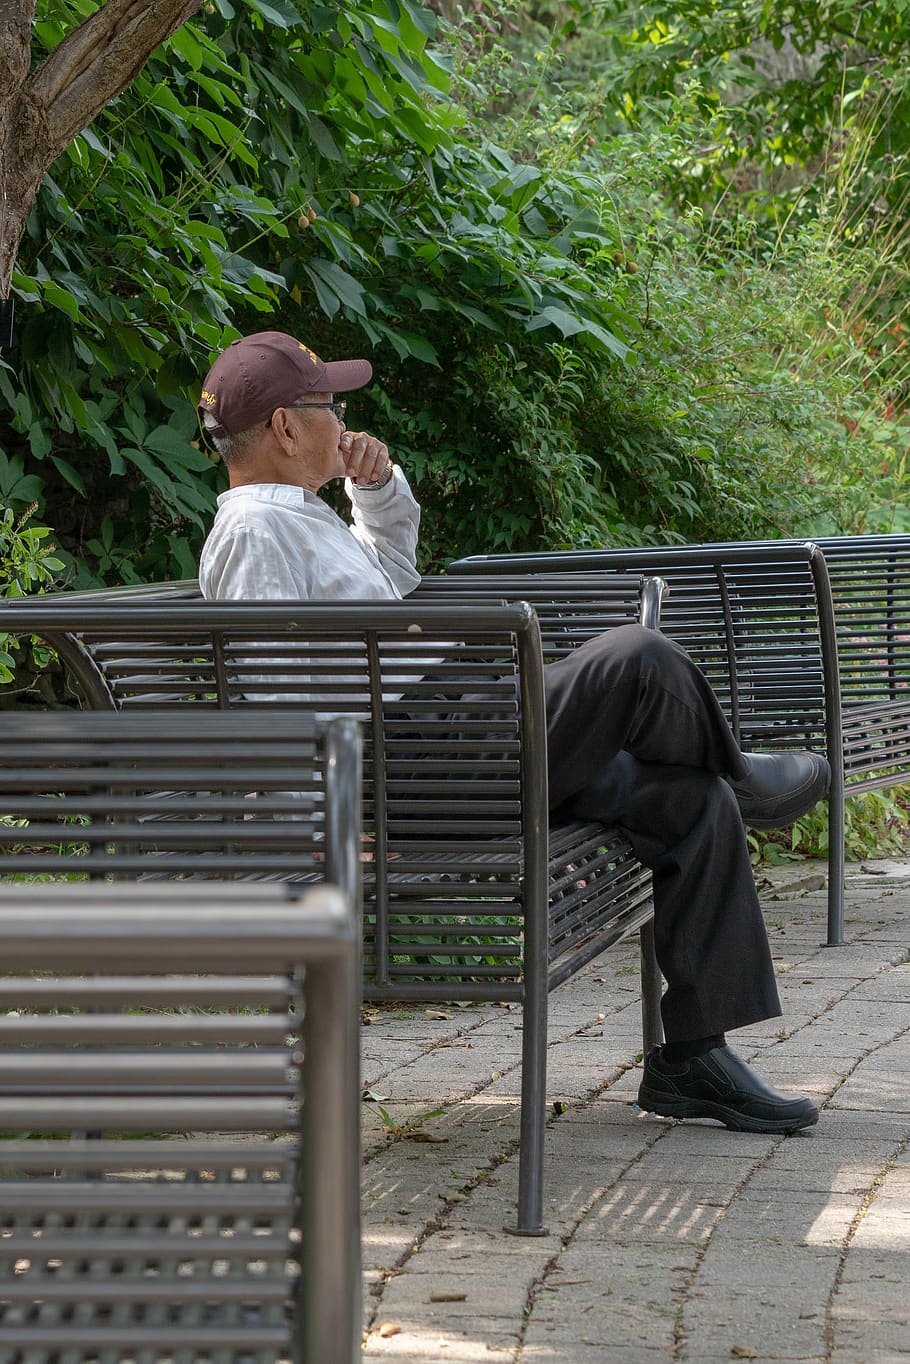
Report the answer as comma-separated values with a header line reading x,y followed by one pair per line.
x,y
636,736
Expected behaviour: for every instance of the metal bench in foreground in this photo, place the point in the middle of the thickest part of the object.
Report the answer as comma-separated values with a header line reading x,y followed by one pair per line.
x,y
150,866
179,1175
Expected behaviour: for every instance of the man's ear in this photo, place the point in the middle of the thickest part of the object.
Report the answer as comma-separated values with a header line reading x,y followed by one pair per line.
x,y
283,430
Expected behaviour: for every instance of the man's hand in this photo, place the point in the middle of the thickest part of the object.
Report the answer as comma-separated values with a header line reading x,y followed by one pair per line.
x,y
365,458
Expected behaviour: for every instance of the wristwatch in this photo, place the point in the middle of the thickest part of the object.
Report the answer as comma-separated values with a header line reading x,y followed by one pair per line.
x,y
384,478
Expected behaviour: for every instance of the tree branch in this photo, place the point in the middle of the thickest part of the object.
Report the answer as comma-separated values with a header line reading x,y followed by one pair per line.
x,y
97,61
41,113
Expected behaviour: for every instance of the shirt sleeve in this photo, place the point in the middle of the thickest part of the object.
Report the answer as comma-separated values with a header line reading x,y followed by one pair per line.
x,y
387,521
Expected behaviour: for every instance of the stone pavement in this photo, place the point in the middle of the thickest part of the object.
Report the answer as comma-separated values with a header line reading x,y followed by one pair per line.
x,y
667,1241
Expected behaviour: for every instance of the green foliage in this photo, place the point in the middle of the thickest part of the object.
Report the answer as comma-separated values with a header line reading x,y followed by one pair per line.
x,y
410,1128
877,824
273,166
779,83
769,390
28,564
583,327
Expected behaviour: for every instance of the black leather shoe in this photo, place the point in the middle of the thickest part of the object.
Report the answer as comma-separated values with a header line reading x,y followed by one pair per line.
x,y
721,1085
780,787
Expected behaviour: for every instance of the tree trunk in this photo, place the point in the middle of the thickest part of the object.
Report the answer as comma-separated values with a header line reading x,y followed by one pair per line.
x,y
15,44
41,111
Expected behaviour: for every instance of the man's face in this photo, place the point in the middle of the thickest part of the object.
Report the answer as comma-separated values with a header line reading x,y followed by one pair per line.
x,y
320,430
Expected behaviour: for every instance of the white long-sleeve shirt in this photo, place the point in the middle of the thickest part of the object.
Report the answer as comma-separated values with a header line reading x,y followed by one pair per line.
x,y
273,541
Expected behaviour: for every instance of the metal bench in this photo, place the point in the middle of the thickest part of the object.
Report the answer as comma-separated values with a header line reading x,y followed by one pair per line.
x,y
468,894
143,844
806,643
179,1169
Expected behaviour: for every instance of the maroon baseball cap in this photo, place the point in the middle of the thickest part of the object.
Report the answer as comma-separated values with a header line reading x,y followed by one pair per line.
x,y
258,373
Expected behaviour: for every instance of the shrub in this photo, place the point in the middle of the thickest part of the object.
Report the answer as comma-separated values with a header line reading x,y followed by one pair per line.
x,y
28,563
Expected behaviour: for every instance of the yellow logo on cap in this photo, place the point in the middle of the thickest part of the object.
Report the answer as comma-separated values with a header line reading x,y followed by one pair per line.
x,y
307,351
207,398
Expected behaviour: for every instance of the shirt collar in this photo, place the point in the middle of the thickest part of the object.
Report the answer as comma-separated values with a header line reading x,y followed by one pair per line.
x,y
287,494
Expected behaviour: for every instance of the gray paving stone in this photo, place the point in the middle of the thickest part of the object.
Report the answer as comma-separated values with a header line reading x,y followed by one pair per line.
x,y
854,1179
438,1296
872,1354
707,1353
605,1323
419,1344
724,1166
635,1212
824,1151
681,1140
873,1090
593,1351
814,1075
874,1273
837,1129
774,1221
854,964
877,1336
747,1318
765,1270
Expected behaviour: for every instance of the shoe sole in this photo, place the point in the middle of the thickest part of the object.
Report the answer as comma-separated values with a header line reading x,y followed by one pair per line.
x,y
730,1117
784,819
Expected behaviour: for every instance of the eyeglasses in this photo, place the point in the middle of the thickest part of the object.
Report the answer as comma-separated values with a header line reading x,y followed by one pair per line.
x,y
337,409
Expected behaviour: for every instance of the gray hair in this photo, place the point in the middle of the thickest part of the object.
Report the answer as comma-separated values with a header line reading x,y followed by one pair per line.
x,y
232,448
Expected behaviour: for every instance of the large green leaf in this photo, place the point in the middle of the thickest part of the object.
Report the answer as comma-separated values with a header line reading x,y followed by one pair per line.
x,y
342,284
278,12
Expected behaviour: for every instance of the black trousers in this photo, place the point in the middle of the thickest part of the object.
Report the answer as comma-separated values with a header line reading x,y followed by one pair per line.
x,y
637,739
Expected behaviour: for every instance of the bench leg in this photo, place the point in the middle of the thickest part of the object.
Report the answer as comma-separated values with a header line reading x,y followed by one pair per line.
x,y
532,1130
328,1325
652,1028
836,855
